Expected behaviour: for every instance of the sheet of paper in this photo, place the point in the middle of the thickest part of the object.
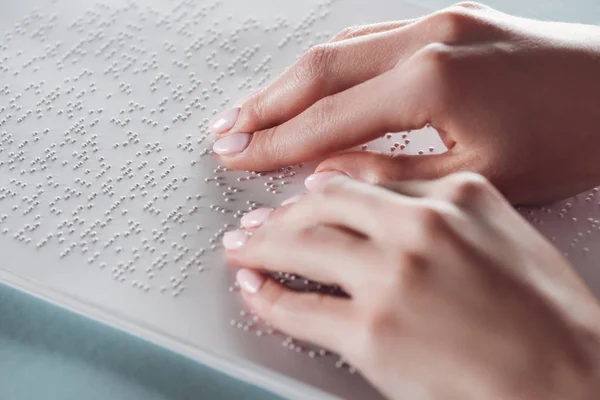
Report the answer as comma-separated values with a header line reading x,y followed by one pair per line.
x,y
111,201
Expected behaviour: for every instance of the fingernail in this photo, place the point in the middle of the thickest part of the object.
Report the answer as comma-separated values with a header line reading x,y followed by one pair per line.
x,y
230,144
233,240
255,218
316,181
250,281
224,121
292,200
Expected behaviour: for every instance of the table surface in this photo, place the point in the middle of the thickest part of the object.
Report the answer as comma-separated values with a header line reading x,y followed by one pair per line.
x,y
47,352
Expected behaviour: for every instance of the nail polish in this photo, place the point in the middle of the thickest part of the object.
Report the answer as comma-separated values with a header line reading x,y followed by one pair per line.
x,y
224,121
255,218
234,240
292,200
250,281
231,144
316,181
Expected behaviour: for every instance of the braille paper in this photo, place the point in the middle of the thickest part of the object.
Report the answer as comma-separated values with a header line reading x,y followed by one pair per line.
x,y
111,201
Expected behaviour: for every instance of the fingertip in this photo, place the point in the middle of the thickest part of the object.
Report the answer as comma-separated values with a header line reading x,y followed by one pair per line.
x,y
250,281
292,200
232,144
234,240
317,180
255,218
360,166
224,121
250,151
239,160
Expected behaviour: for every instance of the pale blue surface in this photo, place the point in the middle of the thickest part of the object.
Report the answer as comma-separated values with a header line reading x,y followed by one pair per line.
x,y
49,353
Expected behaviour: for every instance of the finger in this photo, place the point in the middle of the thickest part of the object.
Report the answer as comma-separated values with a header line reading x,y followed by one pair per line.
x,y
363,30
450,176
339,122
350,205
466,190
314,251
385,170
317,318
333,67
323,70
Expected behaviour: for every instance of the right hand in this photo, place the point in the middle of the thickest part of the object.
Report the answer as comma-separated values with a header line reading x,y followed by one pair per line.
x,y
451,293
514,99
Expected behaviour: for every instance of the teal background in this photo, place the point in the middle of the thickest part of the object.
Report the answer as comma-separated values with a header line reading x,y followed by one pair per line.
x,y
47,352
50,353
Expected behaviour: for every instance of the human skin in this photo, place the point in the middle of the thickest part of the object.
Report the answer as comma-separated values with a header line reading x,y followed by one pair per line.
x,y
513,99
451,293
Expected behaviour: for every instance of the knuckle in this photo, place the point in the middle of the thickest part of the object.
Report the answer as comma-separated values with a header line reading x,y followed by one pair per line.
x,y
377,322
254,109
319,114
430,226
407,271
438,74
375,325
454,24
466,187
314,64
400,284
307,234
430,220
315,120
267,147
437,57
409,261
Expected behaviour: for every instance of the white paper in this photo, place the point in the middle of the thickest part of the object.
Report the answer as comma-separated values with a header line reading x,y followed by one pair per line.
x,y
72,73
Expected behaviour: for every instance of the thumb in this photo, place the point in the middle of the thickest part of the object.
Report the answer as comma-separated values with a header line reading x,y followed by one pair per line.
x,y
383,169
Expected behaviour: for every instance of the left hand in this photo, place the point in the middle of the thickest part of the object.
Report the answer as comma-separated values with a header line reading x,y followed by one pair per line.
x,y
451,293
513,99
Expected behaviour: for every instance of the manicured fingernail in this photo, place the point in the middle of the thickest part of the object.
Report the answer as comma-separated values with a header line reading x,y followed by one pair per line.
x,y
255,218
233,240
292,200
231,144
250,281
224,121
316,181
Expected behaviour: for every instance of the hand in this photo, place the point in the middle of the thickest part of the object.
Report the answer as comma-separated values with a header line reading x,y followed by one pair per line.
x,y
452,295
513,99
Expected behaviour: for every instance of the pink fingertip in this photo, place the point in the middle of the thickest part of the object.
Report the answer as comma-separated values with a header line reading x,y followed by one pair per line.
x,y
315,181
250,281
